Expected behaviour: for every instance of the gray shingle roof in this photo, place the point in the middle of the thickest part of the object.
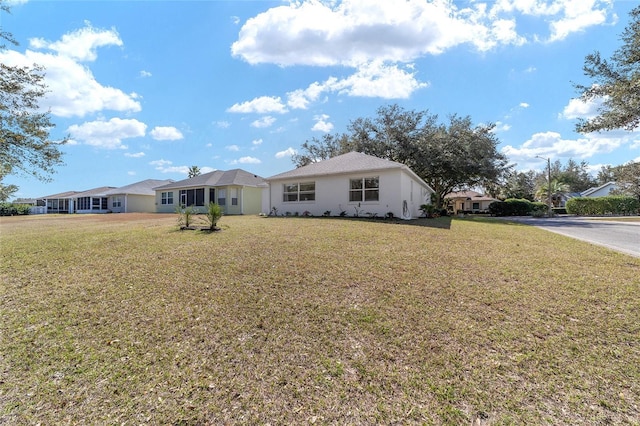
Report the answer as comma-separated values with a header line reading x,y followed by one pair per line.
x,y
99,192
346,163
144,187
217,178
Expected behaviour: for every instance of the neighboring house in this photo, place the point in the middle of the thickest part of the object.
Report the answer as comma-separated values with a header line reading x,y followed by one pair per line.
x,y
468,201
236,191
58,203
91,201
599,191
353,183
139,197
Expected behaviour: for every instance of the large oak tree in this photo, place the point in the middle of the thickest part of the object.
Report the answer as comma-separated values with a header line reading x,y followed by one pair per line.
x,y
25,145
447,156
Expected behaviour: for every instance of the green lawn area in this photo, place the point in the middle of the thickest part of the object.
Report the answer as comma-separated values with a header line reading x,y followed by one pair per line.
x,y
124,319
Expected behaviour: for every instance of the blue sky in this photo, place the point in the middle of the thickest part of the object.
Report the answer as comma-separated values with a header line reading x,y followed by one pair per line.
x,y
146,89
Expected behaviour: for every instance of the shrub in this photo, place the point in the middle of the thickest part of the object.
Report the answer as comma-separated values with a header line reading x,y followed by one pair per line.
x,y
213,215
516,207
185,215
614,204
9,209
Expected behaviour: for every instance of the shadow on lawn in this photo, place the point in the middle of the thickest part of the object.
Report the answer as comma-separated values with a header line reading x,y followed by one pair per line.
x,y
443,222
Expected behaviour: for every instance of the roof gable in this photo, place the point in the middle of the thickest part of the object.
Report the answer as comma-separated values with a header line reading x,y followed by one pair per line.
x,y
346,163
217,178
144,187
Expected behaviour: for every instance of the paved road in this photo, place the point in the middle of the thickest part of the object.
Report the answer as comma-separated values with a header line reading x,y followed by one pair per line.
x,y
620,236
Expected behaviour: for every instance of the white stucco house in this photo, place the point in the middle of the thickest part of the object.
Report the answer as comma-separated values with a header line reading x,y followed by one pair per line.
x,y
139,197
353,183
599,191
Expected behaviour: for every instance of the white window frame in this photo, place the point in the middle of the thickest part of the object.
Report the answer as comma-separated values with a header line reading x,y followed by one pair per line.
x,y
364,191
296,192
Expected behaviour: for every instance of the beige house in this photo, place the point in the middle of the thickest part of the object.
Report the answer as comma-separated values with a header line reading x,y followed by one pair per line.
x,y
139,197
236,191
468,201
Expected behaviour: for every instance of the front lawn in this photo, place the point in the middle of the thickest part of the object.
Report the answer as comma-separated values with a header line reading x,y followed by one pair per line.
x,y
124,319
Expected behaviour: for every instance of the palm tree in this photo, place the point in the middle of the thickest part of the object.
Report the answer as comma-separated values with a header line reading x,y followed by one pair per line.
x,y
194,171
557,190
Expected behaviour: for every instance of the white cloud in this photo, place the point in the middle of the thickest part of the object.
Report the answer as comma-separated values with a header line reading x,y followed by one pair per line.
x,y
350,32
257,142
553,145
378,80
134,155
166,166
263,122
107,134
145,74
72,88
161,133
300,99
232,148
223,124
80,45
524,105
577,108
260,105
286,153
354,31
246,160
501,127
131,173
322,125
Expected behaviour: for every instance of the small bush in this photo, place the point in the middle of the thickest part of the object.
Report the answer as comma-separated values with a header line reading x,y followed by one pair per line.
x,y
213,215
9,209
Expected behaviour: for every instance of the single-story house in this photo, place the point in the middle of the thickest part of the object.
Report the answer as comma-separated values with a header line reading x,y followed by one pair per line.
x,y
468,201
139,197
58,203
93,200
354,184
236,191
599,191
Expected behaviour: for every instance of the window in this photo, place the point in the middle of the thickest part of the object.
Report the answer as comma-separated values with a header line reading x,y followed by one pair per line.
x,y
222,197
364,189
476,206
192,197
117,202
234,196
294,192
167,198
212,195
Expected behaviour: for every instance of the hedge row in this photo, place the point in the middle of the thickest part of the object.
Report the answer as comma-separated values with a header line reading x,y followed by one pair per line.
x,y
8,209
613,204
517,207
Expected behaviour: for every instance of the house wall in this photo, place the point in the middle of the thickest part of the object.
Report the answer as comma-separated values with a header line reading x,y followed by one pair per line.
x,y
249,200
133,203
602,192
332,194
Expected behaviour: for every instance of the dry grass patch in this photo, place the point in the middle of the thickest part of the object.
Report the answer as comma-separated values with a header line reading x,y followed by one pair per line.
x,y
124,319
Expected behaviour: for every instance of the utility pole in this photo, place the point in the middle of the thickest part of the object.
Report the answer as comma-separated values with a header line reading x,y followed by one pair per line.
x,y
549,202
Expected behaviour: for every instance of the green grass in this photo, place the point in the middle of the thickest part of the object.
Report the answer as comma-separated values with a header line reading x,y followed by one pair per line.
x,y
124,319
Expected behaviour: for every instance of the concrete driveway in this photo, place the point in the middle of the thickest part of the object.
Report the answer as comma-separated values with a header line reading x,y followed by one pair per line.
x,y
621,236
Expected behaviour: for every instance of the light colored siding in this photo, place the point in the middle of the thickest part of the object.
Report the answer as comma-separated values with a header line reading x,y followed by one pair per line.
x,y
251,200
332,194
139,203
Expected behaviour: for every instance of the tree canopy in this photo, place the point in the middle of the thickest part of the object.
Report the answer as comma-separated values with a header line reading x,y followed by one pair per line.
x,y
25,146
447,156
616,83
193,171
